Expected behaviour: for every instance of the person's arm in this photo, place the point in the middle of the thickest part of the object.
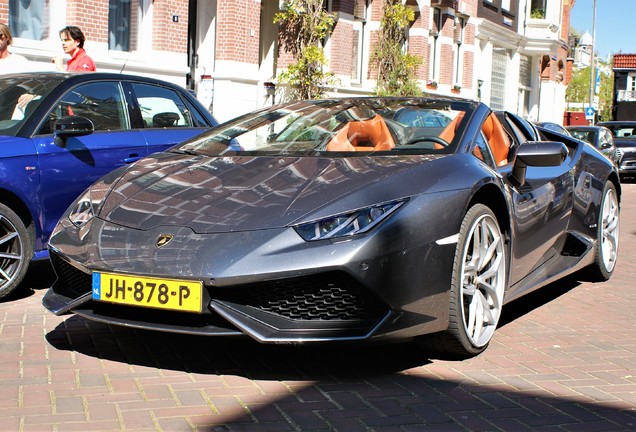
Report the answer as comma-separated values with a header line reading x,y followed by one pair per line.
x,y
59,63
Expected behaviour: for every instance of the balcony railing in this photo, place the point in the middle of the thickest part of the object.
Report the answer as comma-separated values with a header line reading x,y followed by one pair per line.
x,y
626,96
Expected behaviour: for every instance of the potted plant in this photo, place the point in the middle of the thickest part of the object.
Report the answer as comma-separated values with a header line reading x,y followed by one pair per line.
x,y
431,84
456,88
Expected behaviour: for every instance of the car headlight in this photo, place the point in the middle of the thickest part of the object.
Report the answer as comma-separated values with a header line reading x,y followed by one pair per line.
x,y
355,222
87,205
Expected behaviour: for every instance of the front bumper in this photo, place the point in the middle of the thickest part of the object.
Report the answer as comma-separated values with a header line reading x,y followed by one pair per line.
x,y
285,291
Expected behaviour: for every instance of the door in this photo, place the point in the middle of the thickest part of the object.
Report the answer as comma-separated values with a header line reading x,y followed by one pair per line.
x,y
541,206
67,168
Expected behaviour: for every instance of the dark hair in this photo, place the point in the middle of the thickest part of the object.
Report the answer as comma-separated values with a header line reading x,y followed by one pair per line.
x,y
74,33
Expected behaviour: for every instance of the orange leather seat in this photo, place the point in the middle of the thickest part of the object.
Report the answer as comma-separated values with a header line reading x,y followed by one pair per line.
x,y
449,131
373,131
497,138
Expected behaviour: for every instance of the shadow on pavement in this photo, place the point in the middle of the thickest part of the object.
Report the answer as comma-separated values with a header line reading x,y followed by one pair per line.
x,y
219,355
349,387
39,276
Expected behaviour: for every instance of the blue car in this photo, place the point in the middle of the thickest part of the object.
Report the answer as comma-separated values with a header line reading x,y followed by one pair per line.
x,y
60,132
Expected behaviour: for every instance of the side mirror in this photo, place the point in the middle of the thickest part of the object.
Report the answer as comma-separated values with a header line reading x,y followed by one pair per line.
x,y
71,126
539,154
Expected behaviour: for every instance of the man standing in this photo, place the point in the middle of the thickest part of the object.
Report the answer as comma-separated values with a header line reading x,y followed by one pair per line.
x,y
73,44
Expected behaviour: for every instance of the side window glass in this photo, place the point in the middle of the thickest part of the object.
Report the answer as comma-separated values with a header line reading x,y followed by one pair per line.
x,y
482,150
103,103
197,118
161,107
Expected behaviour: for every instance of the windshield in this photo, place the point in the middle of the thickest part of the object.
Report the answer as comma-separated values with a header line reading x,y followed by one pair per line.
x,y
623,132
33,90
340,127
584,134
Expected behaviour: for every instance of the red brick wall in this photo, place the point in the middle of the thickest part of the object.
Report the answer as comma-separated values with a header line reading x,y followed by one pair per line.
x,y
168,35
91,16
468,69
4,11
446,58
447,74
418,46
341,61
235,19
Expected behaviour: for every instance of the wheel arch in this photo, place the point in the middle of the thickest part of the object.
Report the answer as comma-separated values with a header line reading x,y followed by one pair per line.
x,y
614,178
16,204
492,196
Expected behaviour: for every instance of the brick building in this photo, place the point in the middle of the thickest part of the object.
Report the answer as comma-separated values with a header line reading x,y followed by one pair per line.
x,y
227,50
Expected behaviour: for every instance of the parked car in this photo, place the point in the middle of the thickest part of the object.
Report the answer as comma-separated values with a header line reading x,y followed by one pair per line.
x,y
599,136
625,141
327,220
74,129
555,127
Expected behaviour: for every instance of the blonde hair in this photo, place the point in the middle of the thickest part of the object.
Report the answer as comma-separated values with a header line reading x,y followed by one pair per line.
x,y
6,32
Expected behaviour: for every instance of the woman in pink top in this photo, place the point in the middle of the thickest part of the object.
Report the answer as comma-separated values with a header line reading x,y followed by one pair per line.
x,y
73,44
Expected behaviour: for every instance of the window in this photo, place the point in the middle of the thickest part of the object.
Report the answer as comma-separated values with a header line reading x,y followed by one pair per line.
x,y
537,9
162,107
631,82
29,20
605,140
525,85
356,50
436,29
482,150
129,25
498,79
505,5
103,103
458,36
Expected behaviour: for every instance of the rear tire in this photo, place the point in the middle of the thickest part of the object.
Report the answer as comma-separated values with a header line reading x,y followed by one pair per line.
x,y
477,287
608,230
16,250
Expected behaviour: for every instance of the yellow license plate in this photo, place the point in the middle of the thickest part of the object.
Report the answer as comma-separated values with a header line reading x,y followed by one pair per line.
x,y
172,294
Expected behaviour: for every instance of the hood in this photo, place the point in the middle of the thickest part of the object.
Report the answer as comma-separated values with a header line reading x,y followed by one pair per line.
x,y
624,142
225,194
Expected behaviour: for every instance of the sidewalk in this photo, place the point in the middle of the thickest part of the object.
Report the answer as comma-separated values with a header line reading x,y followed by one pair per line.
x,y
563,359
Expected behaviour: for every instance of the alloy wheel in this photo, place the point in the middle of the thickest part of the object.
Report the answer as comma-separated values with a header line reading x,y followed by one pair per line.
x,y
11,255
610,229
483,279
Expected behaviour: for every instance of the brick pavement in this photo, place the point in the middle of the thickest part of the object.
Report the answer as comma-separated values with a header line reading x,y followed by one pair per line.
x,y
564,359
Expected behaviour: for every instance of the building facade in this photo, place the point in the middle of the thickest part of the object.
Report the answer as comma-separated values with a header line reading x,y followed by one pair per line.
x,y
624,100
511,54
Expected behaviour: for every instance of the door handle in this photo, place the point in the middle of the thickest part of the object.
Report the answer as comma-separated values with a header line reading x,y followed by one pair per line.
x,y
132,158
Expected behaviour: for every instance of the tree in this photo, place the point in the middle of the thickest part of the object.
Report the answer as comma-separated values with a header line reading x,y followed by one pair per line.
x,y
396,68
578,90
303,24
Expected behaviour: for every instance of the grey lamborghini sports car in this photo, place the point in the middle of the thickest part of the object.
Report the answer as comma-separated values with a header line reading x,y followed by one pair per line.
x,y
333,220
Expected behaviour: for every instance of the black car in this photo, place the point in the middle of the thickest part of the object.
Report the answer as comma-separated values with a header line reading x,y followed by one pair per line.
x,y
599,136
329,220
625,141
555,127
60,132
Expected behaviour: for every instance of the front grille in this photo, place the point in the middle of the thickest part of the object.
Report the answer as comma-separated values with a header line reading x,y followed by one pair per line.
x,y
72,282
329,296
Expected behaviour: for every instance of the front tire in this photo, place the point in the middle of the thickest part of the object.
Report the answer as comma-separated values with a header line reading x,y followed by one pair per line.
x,y
477,287
606,247
16,250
